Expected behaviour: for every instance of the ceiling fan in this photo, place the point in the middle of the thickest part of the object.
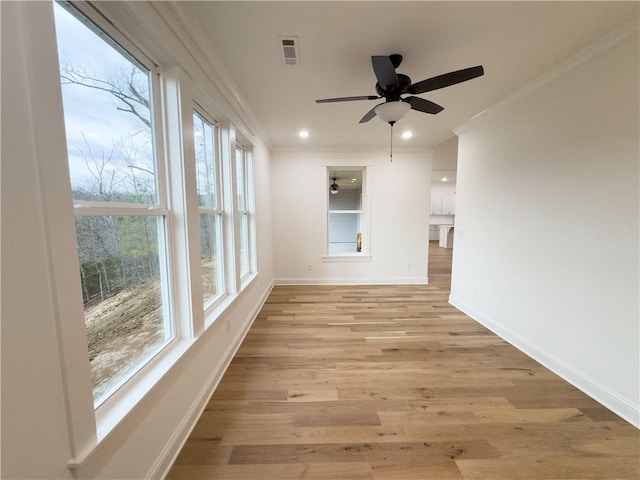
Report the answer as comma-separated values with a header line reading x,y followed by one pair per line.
x,y
391,86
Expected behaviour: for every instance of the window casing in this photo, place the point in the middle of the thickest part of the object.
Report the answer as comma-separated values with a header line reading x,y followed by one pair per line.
x,y
120,199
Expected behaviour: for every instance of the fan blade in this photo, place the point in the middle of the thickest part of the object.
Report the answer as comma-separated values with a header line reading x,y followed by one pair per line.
x,y
423,105
445,80
369,115
347,99
385,73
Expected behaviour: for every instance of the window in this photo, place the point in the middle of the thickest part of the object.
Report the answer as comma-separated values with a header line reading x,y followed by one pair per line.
x,y
346,226
206,143
243,174
119,199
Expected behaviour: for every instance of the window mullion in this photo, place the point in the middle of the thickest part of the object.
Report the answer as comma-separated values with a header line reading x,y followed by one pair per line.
x,y
183,227
230,205
162,184
220,185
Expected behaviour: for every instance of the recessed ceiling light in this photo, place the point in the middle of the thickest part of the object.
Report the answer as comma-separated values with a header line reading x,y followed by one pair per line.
x,y
354,180
407,134
304,133
444,179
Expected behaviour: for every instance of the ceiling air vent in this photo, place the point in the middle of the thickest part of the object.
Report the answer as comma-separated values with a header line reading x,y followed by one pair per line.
x,y
289,52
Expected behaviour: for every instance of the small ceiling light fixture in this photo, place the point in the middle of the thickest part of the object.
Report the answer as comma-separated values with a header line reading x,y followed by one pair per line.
x,y
304,133
391,112
444,179
334,187
407,134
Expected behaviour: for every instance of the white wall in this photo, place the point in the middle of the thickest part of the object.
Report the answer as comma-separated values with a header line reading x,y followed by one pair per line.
x,y
546,250
34,420
399,203
38,437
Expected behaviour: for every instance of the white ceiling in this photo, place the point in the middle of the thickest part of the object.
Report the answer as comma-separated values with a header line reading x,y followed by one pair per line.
x,y
514,41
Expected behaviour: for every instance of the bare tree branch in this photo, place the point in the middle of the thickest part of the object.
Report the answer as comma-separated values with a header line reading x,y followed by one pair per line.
x,y
122,85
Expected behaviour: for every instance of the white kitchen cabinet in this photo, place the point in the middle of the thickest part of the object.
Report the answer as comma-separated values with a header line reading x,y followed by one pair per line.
x,y
448,204
443,204
436,204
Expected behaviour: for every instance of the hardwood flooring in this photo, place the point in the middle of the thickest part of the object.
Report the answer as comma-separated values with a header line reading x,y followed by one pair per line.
x,y
391,382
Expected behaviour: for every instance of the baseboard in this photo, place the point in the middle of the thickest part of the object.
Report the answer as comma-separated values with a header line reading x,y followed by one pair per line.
x,y
352,281
614,402
170,452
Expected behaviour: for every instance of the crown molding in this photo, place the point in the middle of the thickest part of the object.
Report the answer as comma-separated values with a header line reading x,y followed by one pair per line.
x,y
595,49
351,151
187,29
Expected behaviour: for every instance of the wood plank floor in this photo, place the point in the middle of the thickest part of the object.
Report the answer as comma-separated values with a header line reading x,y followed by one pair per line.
x,y
391,382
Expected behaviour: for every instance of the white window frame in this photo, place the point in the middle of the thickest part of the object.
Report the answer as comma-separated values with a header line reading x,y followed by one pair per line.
x,y
159,209
176,204
365,254
211,303
246,212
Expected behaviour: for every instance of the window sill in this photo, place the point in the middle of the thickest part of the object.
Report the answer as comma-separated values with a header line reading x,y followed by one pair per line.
x,y
116,408
247,280
216,309
354,257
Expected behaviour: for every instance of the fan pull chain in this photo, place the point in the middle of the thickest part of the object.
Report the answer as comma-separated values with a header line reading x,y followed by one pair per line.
x,y
391,143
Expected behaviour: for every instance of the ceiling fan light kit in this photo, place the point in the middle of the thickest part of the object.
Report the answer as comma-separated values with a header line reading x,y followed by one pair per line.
x,y
391,112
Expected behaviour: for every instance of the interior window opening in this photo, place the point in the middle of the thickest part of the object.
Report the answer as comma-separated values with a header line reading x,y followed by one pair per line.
x,y
345,215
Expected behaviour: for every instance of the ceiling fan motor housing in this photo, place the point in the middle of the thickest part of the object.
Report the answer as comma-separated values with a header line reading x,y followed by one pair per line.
x,y
393,94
